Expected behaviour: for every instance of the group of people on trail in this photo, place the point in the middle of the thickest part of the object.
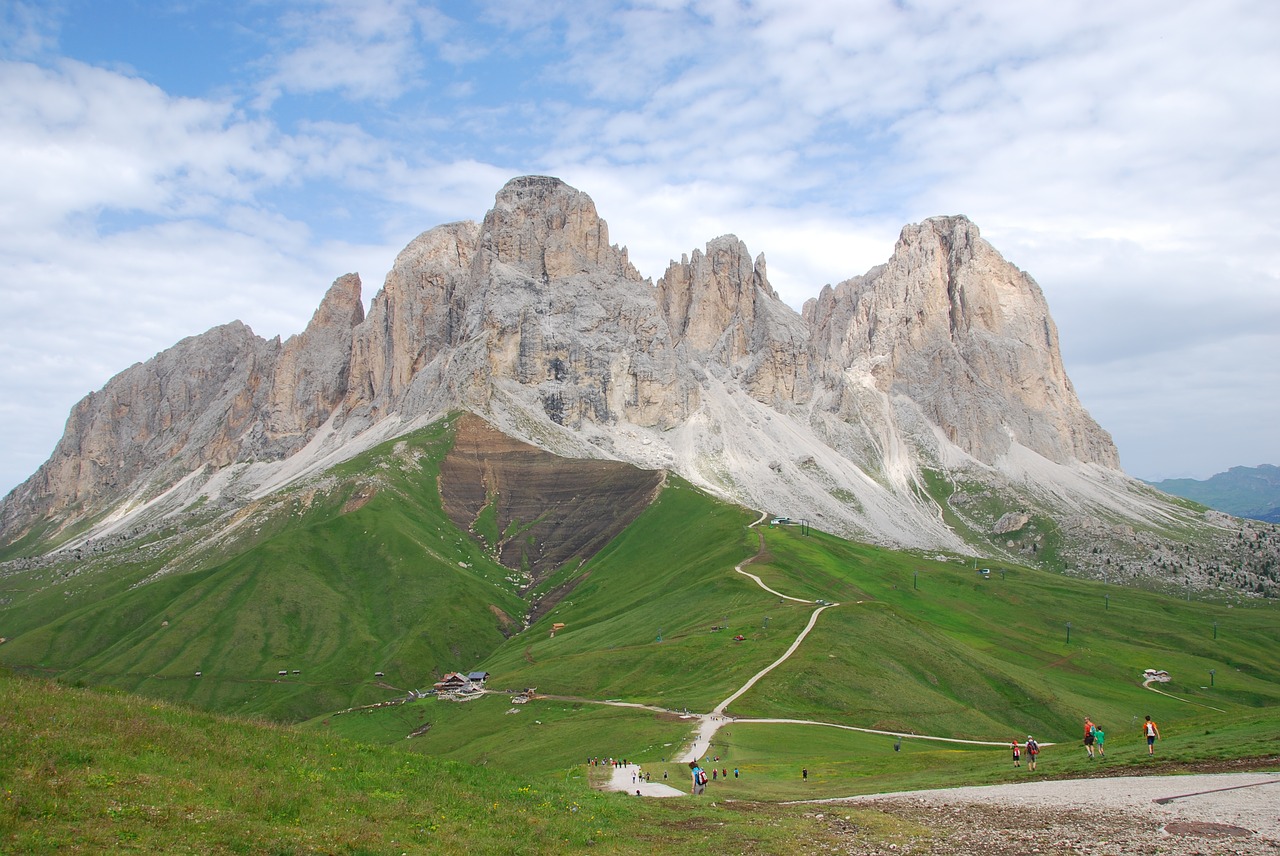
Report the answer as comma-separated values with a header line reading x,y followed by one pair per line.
x,y
1095,743
1033,749
699,775
1094,739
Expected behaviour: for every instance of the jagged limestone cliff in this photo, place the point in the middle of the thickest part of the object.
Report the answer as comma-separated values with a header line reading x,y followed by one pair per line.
x,y
942,363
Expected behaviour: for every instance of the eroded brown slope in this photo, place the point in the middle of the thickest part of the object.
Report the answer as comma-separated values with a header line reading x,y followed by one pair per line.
x,y
549,510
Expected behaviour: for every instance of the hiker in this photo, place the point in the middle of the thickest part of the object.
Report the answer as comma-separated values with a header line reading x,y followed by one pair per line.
x,y
724,773
1088,738
1152,732
699,778
1098,737
735,772
804,774
714,773
1033,749
1017,753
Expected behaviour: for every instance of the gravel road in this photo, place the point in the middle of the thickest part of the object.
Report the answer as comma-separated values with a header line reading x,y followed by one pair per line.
x,y
1184,815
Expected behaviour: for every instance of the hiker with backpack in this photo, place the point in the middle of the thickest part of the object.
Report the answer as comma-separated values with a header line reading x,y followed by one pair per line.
x,y
1033,749
699,778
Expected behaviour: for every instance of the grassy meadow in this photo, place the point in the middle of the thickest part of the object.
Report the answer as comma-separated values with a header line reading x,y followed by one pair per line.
x,y
336,584
361,572
93,771
916,645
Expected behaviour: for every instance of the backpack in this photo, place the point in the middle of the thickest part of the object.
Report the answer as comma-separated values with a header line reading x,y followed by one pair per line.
x,y
1033,748
702,777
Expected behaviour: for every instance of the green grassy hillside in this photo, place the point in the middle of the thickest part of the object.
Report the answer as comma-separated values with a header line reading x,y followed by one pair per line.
x,y
361,571
916,646
87,771
362,575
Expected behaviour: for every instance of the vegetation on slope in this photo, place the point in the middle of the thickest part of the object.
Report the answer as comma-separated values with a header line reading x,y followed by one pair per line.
x,y
365,575
916,646
87,771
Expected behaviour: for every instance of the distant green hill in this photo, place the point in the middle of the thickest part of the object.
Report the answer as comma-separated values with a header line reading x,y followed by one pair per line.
x,y
1252,492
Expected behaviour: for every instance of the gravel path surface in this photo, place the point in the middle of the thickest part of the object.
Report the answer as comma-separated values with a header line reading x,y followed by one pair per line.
x,y
1186,815
630,779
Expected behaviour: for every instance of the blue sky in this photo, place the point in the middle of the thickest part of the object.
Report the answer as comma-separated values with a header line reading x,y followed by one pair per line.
x,y
166,167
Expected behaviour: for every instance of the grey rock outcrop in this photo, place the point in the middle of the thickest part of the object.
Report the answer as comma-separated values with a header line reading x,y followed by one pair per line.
x,y
951,326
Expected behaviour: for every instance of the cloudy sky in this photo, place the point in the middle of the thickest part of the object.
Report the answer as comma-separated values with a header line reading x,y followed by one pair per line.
x,y
169,166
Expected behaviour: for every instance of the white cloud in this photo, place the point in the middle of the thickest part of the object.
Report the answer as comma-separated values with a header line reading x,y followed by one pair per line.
x,y
80,139
26,29
363,49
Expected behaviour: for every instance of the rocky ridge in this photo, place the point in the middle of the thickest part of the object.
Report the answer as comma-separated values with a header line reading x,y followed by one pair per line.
x,y
875,413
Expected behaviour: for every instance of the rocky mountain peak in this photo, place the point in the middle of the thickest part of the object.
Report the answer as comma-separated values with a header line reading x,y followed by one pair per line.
x,y
948,323
532,319
548,230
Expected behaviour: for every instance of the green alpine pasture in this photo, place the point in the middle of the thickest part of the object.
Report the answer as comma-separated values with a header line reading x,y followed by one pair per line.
x,y
915,646
94,771
337,602
363,575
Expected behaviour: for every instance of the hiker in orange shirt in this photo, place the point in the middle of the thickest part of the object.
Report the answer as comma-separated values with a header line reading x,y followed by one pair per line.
x,y
1152,732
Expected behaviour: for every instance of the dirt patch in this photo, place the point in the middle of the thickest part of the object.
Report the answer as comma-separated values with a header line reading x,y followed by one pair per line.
x,y
1172,768
506,624
1206,830
547,510
668,716
359,499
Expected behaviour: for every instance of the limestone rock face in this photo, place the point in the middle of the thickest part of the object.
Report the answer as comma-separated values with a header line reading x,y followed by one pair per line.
x,y
548,230
944,357
310,377
721,307
950,325
160,419
401,351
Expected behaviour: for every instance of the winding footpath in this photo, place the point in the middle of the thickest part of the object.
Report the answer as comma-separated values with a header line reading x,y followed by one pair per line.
x,y
1180,808
629,780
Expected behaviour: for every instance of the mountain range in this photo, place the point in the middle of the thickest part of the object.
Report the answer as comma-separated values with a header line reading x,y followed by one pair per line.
x,y
1252,492
922,405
